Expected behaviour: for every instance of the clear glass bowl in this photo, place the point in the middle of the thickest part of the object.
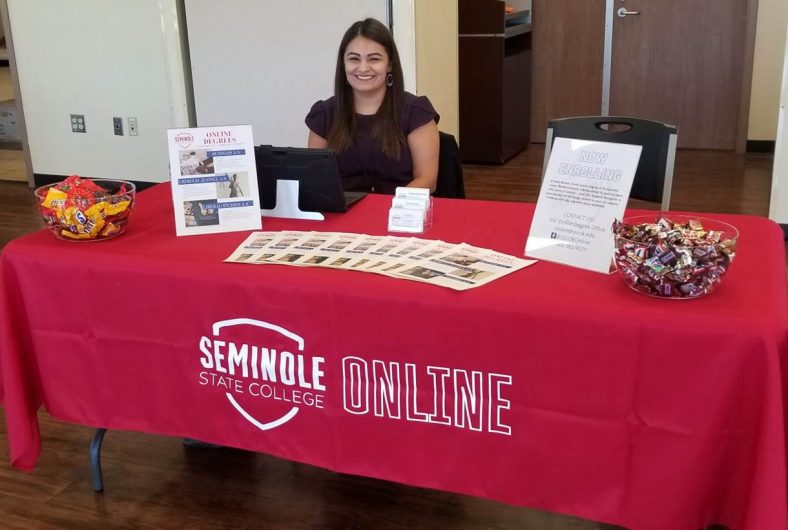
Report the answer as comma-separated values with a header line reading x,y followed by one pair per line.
x,y
682,263
94,209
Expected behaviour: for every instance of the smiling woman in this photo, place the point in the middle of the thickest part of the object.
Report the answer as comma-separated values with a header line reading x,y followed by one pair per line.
x,y
384,137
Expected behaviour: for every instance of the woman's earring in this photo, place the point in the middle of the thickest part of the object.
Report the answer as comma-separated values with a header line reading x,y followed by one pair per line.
x,y
390,79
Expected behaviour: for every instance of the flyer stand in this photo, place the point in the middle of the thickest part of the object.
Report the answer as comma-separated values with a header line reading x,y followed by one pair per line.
x,y
287,203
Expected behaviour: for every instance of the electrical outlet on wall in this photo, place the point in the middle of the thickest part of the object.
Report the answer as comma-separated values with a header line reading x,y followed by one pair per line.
x,y
133,131
117,126
78,123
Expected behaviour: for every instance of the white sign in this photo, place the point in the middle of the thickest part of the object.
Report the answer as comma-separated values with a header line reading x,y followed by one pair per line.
x,y
214,180
585,187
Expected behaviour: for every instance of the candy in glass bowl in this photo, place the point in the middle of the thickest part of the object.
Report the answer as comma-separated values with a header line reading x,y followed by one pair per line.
x,y
674,256
82,209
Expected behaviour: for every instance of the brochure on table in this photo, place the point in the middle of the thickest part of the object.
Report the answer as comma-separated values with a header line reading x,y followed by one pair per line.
x,y
585,187
458,266
214,180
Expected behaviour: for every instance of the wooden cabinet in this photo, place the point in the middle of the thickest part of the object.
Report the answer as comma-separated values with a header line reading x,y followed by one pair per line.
x,y
494,79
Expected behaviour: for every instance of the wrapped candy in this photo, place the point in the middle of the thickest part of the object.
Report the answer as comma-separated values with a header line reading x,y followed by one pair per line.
x,y
674,256
79,208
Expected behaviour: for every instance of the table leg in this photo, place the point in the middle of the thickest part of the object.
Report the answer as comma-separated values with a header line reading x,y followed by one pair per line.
x,y
95,460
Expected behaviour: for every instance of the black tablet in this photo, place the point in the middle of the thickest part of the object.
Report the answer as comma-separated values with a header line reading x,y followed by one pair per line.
x,y
315,170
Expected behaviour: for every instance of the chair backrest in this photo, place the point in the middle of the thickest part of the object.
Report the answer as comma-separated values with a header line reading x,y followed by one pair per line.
x,y
654,174
450,180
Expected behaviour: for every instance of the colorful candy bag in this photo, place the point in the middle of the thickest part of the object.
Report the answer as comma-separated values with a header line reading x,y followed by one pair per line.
x,y
671,259
81,209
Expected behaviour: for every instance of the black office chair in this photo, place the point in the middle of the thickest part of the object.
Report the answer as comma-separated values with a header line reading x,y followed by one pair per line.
x,y
450,180
654,174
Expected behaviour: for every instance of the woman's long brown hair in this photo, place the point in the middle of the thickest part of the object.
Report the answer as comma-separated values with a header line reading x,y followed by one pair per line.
x,y
386,127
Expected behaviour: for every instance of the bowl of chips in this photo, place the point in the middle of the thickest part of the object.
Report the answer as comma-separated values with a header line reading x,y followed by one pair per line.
x,y
83,209
672,255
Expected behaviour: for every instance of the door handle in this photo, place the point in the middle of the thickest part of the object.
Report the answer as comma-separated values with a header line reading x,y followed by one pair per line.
x,y
622,12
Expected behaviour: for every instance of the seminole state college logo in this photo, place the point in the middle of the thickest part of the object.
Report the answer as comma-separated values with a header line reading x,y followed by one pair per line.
x,y
268,377
262,372
184,140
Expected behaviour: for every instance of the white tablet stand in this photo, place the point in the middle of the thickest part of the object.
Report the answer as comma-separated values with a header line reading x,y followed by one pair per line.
x,y
287,203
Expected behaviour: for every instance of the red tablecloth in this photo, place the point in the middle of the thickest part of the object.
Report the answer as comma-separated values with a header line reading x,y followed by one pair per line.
x,y
553,387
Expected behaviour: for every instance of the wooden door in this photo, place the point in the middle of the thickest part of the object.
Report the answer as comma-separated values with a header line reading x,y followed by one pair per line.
x,y
681,62
677,61
567,60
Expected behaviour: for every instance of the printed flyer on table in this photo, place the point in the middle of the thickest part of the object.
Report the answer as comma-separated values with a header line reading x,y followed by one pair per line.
x,y
214,180
456,266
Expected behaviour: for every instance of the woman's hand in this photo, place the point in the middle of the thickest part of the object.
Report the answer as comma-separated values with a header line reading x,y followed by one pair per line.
x,y
424,147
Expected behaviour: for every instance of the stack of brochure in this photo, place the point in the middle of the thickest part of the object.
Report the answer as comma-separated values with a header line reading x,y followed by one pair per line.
x,y
456,266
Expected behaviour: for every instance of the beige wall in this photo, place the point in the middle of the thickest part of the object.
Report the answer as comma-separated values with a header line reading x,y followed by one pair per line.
x,y
778,208
767,69
436,59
